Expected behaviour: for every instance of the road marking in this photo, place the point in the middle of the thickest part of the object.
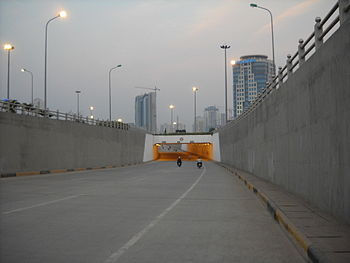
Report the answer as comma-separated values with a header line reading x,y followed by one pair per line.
x,y
41,204
116,255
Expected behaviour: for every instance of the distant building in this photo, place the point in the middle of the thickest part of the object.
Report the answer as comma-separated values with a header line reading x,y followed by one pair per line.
x,y
223,119
146,112
250,76
167,128
199,124
211,118
38,103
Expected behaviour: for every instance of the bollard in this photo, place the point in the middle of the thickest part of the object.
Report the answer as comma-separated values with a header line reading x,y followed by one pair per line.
x,y
318,32
344,10
301,52
289,66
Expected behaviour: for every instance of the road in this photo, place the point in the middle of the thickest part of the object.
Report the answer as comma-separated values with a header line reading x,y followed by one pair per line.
x,y
154,212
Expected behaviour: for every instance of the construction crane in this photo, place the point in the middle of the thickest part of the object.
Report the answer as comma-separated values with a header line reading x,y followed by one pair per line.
x,y
155,88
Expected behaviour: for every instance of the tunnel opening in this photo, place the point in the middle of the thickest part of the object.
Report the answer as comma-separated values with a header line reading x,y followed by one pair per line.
x,y
187,151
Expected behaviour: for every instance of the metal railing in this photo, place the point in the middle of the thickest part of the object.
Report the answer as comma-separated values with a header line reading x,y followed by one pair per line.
x,y
304,49
28,109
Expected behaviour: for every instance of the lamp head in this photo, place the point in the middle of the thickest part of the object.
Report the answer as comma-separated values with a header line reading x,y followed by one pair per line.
x,y
194,89
62,14
22,69
233,62
225,46
171,106
120,120
8,46
91,107
253,5
119,66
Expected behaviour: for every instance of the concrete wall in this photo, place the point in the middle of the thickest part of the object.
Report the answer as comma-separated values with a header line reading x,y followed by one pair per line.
x,y
32,144
148,153
299,137
203,138
216,147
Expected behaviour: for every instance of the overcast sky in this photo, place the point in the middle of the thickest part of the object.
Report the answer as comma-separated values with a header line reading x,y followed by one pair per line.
x,y
173,44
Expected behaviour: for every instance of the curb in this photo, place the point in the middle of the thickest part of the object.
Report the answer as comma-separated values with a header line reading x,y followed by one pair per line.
x,y
6,175
314,254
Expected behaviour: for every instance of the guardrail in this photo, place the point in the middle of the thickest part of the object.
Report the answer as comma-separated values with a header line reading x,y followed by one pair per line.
x,y
28,109
304,49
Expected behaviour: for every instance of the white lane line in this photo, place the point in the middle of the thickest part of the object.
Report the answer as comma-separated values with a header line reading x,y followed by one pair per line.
x,y
41,204
116,255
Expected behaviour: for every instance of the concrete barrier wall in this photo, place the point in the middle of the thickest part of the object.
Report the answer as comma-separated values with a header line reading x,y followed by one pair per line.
x,y
216,146
33,144
148,154
299,137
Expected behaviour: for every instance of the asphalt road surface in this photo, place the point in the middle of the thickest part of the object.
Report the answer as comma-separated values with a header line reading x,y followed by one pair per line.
x,y
156,212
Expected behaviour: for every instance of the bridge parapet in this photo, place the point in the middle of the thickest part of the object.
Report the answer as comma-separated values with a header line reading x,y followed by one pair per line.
x,y
28,109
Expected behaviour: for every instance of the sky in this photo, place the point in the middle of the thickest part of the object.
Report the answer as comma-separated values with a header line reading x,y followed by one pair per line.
x,y
171,44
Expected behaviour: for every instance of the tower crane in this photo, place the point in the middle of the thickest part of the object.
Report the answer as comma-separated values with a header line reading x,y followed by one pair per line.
x,y
155,88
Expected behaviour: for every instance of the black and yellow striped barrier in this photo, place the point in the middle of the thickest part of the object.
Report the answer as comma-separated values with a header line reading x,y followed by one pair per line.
x,y
5,175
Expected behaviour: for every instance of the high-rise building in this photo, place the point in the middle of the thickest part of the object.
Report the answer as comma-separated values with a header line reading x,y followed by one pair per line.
x,y
38,103
211,118
199,124
146,112
223,119
250,75
167,128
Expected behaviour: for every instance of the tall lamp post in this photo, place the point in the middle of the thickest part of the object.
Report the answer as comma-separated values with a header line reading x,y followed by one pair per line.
x,y
31,76
171,107
61,14
225,47
195,89
78,93
8,47
272,37
110,92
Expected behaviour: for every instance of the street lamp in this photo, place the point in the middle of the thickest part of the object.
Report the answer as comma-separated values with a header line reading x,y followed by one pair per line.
x,y
225,47
195,89
175,123
110,96
31,75
78,93
171,107
61,14
8,47
273,40
91,109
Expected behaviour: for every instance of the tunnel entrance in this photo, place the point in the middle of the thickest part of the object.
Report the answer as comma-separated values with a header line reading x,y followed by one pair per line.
x,y
187,151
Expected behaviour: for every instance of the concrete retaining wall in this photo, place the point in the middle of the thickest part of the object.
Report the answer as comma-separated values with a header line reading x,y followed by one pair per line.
x,y
33,144
299,137
148,154
216,146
